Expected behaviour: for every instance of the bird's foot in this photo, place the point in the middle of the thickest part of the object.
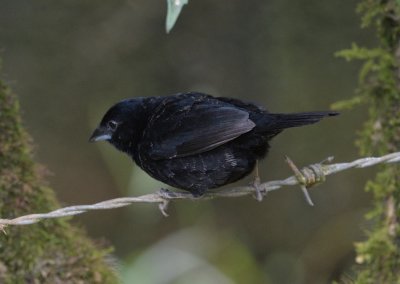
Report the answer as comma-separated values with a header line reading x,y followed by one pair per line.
x,y
258,188
256,184
166,195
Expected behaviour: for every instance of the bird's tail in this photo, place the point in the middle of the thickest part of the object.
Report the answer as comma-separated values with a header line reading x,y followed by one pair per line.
x,y
276,122
282,120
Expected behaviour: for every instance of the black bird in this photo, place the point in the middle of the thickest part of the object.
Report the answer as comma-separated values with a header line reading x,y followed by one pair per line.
x,y
194,141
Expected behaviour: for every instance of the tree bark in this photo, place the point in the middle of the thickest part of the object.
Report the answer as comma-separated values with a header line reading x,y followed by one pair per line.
x,y
52,251
379,255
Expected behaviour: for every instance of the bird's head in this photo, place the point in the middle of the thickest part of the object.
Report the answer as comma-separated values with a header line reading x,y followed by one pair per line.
x,y
121,124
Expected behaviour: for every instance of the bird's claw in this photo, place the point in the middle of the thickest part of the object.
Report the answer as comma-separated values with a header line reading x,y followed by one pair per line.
x,y
256,184
163,206
3,229
258,188
165,195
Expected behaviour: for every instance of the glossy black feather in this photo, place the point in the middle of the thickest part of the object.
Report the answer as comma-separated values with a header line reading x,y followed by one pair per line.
x,y
187,127
194,141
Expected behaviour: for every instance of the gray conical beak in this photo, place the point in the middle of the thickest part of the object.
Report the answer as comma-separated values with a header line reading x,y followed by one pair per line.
x,y
100,134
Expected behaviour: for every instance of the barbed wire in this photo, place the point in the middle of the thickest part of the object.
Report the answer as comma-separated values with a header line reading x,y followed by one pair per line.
x,y
306,178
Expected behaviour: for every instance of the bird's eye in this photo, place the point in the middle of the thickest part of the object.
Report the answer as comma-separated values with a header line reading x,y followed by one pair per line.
x,y
112,125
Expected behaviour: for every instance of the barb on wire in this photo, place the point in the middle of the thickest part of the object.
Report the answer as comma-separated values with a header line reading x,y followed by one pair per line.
x,y
305,177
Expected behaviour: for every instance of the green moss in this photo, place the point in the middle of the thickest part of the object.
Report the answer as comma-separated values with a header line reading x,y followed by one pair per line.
x,y
52,251
379,255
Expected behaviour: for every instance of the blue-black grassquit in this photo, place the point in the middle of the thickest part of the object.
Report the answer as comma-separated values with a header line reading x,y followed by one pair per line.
x,y
194,141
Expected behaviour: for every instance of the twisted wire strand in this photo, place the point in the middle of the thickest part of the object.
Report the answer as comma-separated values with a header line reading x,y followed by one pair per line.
x,y
306,178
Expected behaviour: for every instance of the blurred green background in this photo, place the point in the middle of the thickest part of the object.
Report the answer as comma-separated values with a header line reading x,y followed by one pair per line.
x,y
70,60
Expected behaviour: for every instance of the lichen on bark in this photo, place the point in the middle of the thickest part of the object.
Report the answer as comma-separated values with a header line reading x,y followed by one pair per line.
x,y
378,257
52,251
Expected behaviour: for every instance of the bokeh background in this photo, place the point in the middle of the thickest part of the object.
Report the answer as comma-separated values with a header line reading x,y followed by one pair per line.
x,y
70,60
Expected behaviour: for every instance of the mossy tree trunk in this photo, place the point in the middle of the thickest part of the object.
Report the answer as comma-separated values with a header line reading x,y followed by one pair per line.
x,y
52,251
379,256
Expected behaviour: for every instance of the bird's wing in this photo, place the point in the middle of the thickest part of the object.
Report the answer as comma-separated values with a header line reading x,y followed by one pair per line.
x,y
177,130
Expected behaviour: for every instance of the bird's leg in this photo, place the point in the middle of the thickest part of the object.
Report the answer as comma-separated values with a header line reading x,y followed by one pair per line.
x,y
257,184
